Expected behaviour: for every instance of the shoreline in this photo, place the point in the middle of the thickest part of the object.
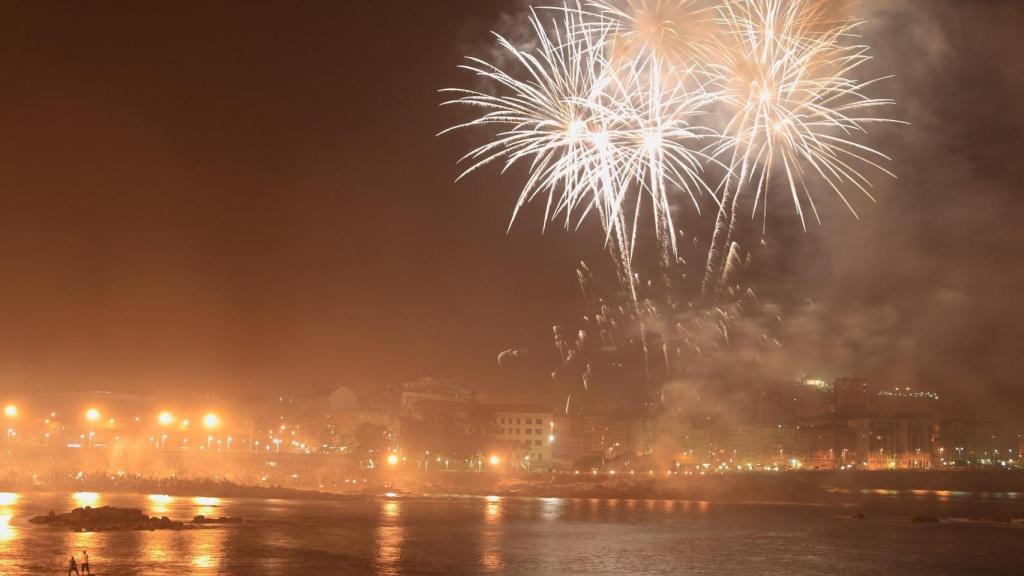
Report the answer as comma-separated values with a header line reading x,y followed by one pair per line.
x,y
785,487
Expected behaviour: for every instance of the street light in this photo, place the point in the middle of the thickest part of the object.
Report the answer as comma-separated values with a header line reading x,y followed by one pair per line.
x,y
165,418
11,411
392,459
494,460
211,420
92,415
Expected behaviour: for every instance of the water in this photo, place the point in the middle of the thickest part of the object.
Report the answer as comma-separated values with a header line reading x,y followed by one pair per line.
x,y
470,535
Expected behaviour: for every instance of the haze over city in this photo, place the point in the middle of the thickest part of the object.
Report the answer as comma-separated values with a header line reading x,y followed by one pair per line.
x,y
507,274
217,211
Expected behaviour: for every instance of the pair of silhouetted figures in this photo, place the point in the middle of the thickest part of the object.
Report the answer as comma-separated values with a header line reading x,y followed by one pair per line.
x,y
73,565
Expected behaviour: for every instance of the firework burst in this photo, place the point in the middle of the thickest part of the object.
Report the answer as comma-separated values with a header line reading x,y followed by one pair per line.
x,y
598,137
677,35
620,105
794,109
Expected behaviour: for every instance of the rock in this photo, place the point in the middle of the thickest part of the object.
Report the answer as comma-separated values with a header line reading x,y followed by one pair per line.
x,y
106,518
119,519
50,518
222,520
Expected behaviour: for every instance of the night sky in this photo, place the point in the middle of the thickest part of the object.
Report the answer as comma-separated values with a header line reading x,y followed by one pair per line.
x,y
237,197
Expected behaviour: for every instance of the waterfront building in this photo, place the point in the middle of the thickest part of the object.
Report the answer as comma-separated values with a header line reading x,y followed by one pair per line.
x,y
851,395
819,445
969,442
421,398
758,444
527,433
886,443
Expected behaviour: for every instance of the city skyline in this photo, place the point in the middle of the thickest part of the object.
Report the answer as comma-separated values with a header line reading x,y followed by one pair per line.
x,y
512,287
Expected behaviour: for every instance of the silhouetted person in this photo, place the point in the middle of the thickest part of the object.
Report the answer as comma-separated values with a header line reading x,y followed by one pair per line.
x,y
85,563
72,565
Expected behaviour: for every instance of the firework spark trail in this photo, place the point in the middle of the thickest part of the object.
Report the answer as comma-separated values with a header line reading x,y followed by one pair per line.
x,y
787,68
597,137
678,34
615,105
655,342
544,118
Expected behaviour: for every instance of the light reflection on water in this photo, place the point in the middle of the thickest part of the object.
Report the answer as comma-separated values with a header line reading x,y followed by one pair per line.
x,y
206,549
7,502
7,532
83,499
83,540
390,537
159,504
551,508
498,535
206,506
491,535
160,547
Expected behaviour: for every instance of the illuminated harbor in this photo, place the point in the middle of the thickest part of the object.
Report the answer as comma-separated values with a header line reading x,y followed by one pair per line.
x,y
519,287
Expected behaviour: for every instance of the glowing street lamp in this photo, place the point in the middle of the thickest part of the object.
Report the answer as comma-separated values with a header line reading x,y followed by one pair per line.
x,y
494,460
165,418
211,420
92,415
11,411
392,459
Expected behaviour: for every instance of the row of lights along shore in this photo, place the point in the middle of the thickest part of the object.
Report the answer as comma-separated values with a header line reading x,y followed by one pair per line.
x,y
165,418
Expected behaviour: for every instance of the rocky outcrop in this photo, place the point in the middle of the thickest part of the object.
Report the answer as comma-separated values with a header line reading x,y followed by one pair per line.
x,y
222,520
108,518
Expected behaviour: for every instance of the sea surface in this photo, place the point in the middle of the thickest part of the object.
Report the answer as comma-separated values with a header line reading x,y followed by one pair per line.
x,y
978,534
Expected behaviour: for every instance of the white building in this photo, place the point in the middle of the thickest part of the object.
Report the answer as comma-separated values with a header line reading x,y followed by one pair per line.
x,y
527,433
